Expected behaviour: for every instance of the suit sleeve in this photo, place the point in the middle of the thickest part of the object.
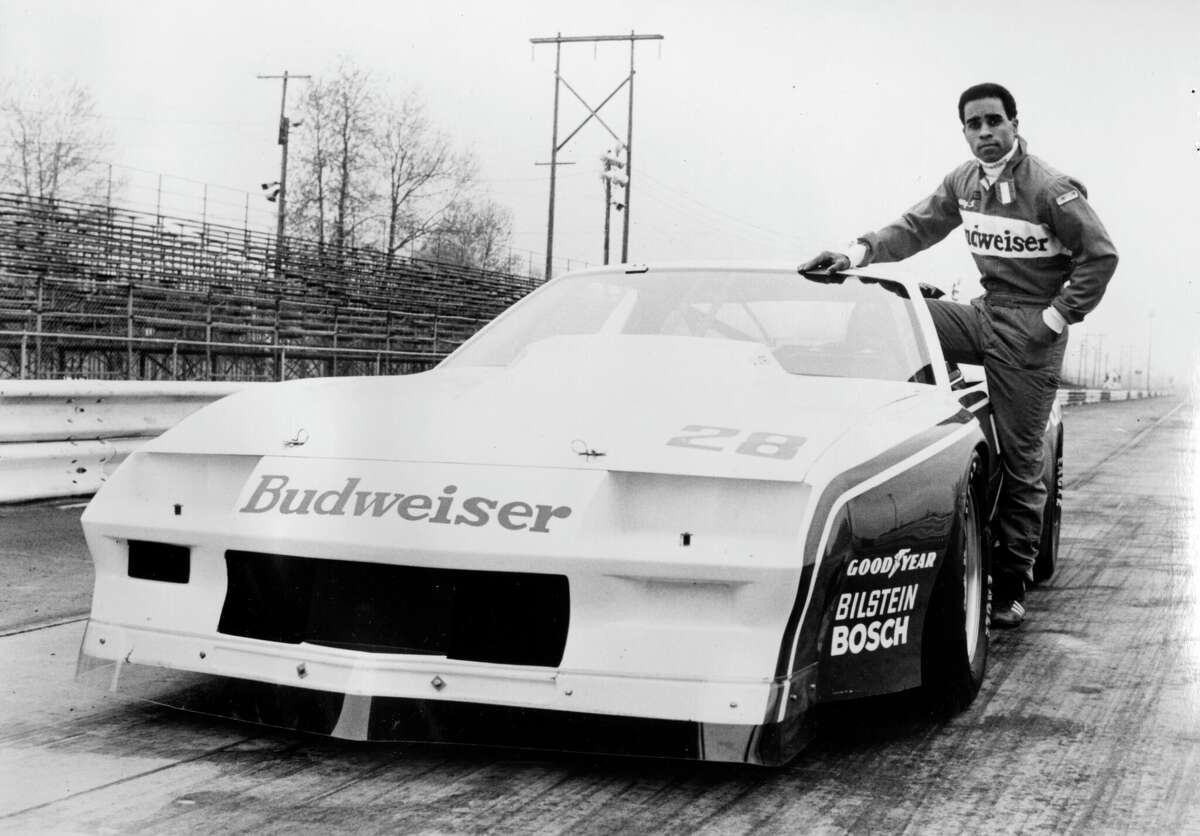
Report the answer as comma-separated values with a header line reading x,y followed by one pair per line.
x,y
1093,256
920,227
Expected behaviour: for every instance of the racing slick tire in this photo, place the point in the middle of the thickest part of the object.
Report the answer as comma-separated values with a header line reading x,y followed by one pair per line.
x,y
955,640
1047,559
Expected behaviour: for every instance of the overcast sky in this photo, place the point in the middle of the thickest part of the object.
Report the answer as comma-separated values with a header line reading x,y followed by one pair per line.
x,y
762,131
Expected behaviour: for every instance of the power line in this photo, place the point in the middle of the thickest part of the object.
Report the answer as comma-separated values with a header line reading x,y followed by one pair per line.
x,y
125,167
533,179
156,121
756,235
716,211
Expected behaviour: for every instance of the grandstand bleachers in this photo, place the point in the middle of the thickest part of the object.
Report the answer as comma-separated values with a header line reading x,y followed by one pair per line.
x,y
97,291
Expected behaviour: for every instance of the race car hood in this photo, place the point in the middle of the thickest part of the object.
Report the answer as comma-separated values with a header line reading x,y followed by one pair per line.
x,y
651,404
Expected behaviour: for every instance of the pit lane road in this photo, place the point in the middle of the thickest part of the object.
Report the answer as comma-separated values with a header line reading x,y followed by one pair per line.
x,y
1089,720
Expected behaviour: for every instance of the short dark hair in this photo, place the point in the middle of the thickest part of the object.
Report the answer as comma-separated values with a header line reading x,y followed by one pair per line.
x,y
988,91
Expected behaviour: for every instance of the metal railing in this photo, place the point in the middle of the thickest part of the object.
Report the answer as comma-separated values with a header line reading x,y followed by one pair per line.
x,y
52,356
56,328
90,291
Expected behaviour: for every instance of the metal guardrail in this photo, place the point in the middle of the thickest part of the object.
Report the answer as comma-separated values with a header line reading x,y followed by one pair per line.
x,y
64,437
48,469
92,410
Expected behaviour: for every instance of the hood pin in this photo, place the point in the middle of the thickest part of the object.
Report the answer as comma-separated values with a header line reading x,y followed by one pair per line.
x,y
298,440
581,448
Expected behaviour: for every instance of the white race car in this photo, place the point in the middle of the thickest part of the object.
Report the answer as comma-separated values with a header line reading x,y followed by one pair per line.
x,y
647,510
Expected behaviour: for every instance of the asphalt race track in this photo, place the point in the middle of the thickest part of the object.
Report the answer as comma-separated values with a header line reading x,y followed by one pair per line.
x,y
1089,720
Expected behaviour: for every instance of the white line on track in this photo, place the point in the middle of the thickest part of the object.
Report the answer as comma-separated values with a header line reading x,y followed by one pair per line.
x,y
1083,478
43,625
72,506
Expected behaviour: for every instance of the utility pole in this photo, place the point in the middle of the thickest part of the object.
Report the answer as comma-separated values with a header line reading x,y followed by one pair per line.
x,y
607,213
593,113
628,156
553,160
1149,345
284,131
611,160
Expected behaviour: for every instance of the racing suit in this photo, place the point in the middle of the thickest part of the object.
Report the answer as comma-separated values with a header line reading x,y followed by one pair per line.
x,y
1037,243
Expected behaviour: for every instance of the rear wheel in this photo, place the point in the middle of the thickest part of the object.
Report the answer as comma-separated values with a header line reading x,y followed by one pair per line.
x,y
1047,557
955,640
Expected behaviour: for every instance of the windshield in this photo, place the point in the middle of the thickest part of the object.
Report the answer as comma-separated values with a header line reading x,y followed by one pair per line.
x,y
840,327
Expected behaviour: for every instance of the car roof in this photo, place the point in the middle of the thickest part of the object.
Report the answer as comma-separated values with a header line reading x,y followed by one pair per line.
x,y
911,285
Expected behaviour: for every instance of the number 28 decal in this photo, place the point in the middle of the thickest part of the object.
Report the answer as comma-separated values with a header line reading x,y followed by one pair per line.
x,y
721,439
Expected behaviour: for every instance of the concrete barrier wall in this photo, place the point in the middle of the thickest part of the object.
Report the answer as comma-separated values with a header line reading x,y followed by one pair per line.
x,y
1074,397
64,437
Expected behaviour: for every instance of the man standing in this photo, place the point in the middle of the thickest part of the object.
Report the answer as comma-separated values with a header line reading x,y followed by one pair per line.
x,y
1045,261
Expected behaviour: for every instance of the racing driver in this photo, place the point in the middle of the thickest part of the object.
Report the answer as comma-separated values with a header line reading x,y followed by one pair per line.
x,y
1045,260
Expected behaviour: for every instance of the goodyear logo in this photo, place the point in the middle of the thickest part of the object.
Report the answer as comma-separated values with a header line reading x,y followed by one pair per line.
x,y
902,561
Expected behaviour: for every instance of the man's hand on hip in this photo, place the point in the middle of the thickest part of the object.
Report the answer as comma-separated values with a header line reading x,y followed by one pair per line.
x,y
1055,321
1048,327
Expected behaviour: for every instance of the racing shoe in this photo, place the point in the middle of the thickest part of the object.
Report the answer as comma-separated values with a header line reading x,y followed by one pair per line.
x,y
1008,608
1008,614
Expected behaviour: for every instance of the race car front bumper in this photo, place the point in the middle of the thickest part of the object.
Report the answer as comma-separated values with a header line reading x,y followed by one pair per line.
x,y
344,694
659,598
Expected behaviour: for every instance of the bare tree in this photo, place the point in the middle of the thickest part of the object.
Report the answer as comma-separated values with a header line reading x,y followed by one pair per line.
x,y
373,171
353,112
422,174
473,234
334,185
306,212
52,142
